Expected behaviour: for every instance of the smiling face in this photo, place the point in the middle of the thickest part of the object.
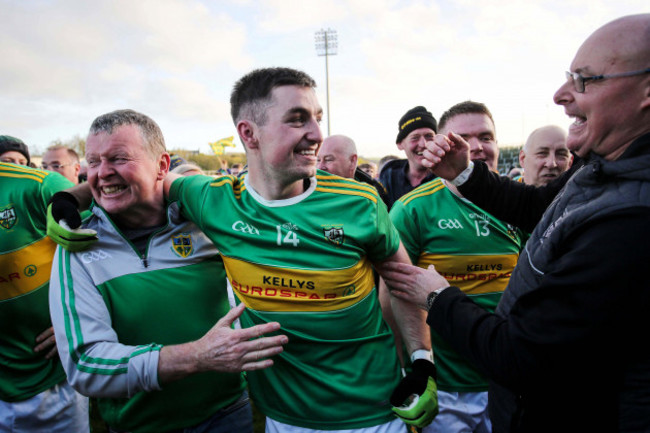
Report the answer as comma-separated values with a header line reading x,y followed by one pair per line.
x,y
545,156
611,113
283,150
338,156
478,130
125,179
413,146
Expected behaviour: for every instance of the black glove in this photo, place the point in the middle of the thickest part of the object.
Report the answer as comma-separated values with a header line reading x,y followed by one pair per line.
x,y
63,222
65,206
415,400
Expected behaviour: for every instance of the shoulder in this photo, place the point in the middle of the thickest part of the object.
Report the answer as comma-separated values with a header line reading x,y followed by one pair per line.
x,y
426,190
332,184
191,185
28,175
393,168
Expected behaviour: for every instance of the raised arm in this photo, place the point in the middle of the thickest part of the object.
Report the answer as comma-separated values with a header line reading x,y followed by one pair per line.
x,y
514,202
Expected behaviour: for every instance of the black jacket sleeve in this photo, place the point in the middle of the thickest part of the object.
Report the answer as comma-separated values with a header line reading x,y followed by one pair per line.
x,y
511,201
588,314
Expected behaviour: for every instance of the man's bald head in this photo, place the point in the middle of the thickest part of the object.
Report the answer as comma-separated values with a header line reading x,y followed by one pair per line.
x,y
338,155
613,110
545,155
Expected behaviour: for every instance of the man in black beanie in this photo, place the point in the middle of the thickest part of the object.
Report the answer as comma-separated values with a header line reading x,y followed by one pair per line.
x,y
13,150
400,176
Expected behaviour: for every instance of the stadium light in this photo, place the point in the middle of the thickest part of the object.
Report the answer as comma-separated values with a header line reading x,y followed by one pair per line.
x,y
326,45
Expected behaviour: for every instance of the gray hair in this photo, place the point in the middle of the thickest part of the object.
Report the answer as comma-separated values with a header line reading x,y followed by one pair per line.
x,y
152,136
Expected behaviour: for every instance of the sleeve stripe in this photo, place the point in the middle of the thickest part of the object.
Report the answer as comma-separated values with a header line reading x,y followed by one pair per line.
x,y
428,189
371,197
74,334
34,176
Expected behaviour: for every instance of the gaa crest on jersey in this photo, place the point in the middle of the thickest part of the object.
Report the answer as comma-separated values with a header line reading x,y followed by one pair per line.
x,y
182,244
8,217
334,235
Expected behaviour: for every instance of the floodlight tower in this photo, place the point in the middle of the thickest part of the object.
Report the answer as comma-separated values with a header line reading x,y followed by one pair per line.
x,y
326,45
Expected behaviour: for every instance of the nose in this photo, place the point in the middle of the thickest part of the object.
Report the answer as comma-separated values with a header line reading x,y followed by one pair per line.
x,y
550,161
475,146
314,133
564,94
104,169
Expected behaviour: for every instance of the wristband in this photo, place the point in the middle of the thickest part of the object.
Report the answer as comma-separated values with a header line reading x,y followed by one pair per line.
x,y
422,354
463,176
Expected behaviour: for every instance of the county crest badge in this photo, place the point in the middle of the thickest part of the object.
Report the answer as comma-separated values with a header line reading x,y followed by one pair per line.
x,y
334,235
8,217
182,244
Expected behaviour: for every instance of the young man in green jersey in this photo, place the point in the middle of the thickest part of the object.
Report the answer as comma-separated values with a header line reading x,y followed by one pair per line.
x,y
469,247
135,313
298,245
34,392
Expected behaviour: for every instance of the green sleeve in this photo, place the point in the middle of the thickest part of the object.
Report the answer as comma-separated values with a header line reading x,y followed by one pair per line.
x,y
407,227
53,183
387,240
189,192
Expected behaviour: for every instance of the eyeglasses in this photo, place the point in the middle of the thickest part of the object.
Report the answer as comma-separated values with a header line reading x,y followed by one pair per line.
x,y
53,166
579,81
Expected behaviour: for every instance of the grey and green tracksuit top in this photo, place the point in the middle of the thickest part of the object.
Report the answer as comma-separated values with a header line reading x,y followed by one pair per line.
x,y
113,308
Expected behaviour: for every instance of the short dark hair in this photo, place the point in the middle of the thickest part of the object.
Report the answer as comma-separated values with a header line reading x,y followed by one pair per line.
x,y
465,107
251,94
152,136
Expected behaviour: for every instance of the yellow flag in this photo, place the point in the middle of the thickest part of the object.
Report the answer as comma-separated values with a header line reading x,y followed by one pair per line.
x,y
219,145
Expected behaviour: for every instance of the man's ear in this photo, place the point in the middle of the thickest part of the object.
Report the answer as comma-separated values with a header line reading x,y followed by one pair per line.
x,y
163,165
248,135
522,156
645,103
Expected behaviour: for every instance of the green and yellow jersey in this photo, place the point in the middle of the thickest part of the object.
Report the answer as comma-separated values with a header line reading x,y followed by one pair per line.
x,y
25,263
306,263
470,248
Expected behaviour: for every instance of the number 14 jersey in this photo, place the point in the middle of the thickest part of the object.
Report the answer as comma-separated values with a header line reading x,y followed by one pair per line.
x,y
306,263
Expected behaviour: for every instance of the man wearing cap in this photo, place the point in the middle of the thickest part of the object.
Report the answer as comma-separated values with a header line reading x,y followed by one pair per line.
x,y
34,393
400,176
13,150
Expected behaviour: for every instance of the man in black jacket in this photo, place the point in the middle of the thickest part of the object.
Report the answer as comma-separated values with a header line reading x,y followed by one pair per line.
x,y
568,342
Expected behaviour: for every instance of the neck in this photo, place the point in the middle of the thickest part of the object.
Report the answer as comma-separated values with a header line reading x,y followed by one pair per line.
x,y
272,189
453,188
141,220
417,174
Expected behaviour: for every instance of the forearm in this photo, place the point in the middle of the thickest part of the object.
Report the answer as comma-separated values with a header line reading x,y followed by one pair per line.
x,y
478,335
387,312
95,362
514,202
82,194
176,362
590,295
411,322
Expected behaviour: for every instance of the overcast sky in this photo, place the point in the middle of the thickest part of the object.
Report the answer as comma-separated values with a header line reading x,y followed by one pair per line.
x,y
64,62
